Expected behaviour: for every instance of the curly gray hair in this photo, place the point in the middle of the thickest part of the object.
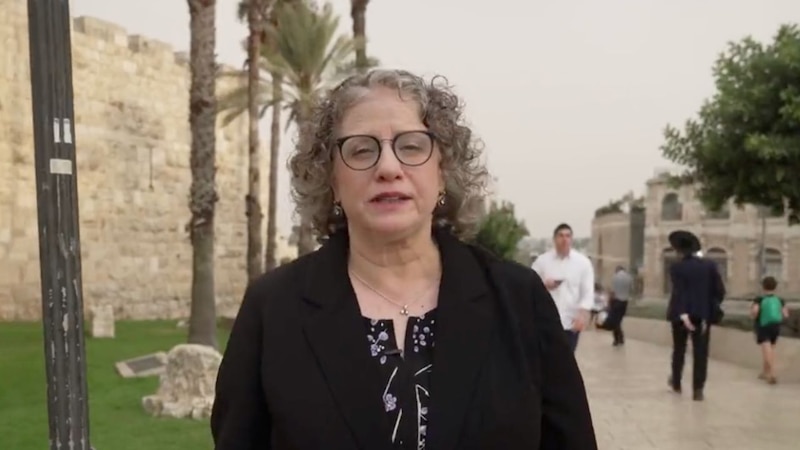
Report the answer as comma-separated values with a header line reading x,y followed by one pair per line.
x,y
464,172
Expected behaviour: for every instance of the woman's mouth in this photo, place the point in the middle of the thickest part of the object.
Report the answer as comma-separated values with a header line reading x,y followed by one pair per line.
x,y
390,197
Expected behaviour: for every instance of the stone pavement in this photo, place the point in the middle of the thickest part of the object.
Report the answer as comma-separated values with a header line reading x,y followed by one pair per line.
x,y
634,410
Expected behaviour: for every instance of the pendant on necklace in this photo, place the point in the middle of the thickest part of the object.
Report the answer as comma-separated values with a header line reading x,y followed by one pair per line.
x,y
404,311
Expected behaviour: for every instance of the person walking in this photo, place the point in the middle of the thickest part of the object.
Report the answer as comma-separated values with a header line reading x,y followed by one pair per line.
x,y
769,312
621,287
694,305
569,277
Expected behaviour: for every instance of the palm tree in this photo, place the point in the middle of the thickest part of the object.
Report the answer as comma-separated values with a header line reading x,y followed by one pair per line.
x,y
255,24
203,195
311,57
305,57
265,10
358,12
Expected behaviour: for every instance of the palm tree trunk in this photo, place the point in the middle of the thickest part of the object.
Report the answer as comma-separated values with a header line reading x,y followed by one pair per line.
x,y
203,195
305,240
271,259
252,200
358,12
274,155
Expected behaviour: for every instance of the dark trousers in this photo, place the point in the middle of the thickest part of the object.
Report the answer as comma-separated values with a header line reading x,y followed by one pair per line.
x,y
572,336
700,339
618,309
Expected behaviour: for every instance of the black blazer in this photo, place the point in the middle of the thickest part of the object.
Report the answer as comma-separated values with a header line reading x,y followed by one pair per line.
x,y
297,372
697,289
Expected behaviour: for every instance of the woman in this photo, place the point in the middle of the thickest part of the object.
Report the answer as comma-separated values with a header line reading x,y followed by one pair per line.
x,y
395,333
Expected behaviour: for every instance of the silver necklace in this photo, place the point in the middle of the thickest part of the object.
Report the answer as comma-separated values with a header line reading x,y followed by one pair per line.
x,y
403,306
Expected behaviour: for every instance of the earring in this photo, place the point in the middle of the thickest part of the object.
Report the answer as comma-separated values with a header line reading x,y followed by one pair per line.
x,y
442,198
337,209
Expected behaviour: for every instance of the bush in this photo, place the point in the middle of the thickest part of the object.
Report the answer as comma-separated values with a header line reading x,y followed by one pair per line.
x,y
500,231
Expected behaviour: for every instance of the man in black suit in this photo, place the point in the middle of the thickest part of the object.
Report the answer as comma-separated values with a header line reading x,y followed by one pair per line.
x,y
694,305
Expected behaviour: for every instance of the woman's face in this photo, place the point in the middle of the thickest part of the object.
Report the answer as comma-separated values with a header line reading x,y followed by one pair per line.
x,y
389,198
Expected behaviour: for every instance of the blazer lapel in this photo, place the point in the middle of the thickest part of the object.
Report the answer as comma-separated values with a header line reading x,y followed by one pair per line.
x,y
336,334
464,326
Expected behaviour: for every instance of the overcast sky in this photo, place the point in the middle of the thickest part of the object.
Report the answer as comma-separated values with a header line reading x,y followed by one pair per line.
x,y
569,97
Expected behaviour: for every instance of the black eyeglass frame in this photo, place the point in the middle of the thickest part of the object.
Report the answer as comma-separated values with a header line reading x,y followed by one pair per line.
x,y
340,144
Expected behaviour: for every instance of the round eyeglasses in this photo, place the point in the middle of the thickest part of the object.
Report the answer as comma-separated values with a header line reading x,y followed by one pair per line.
x,y
362,152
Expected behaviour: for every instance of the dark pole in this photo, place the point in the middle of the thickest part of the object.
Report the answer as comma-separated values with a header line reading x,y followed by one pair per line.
x,y
763,211
59,238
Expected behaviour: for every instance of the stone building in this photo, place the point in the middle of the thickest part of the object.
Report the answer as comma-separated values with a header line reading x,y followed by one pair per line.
x,y
617,239
731,237
132,140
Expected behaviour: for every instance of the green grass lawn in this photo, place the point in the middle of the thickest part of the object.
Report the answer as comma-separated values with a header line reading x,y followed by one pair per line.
x,y
117,419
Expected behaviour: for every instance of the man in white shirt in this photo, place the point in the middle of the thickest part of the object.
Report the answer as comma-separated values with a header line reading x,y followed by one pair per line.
x,y
569,276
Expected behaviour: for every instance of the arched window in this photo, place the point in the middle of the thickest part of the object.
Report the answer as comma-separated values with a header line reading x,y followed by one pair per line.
x,y
773,263
671,207
720,257
668,258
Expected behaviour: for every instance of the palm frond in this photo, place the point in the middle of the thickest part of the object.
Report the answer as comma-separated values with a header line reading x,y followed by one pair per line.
x,y
310,48
307,52
233,102
350,67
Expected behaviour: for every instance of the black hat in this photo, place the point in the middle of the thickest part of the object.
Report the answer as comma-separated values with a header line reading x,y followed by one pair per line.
x,y
684,241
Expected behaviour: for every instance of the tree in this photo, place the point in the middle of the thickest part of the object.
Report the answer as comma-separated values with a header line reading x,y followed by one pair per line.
x,y
358,13
305,57
270,259
255,23
267,11
613,206
310,57
500,231
202,192
267,14
745,142
626,203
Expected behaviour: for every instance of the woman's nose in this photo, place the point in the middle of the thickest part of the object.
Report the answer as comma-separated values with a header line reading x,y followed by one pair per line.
x,y
388,164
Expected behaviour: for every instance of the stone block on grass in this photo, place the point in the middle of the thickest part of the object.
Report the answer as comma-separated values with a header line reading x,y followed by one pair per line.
x,y
186,388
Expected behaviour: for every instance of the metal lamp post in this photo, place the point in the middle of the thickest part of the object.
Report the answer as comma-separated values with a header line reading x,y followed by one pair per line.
x,y
59,237
763,211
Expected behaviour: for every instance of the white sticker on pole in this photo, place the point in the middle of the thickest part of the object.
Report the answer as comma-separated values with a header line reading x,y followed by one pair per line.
x,y
67,131
56,130
60,166
62,131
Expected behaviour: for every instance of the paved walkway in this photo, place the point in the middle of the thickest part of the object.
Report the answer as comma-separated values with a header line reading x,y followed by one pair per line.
x,y
634,410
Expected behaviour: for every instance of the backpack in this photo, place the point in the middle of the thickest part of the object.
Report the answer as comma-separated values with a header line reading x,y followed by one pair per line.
x,y
770,310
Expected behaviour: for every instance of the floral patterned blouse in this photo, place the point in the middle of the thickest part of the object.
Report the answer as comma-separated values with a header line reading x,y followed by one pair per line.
x,y
406,394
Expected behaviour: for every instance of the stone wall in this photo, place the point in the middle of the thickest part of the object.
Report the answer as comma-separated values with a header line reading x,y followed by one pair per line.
x,y
610,245
132,139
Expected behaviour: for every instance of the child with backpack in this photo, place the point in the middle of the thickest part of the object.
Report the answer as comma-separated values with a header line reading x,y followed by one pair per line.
x,y
768,310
